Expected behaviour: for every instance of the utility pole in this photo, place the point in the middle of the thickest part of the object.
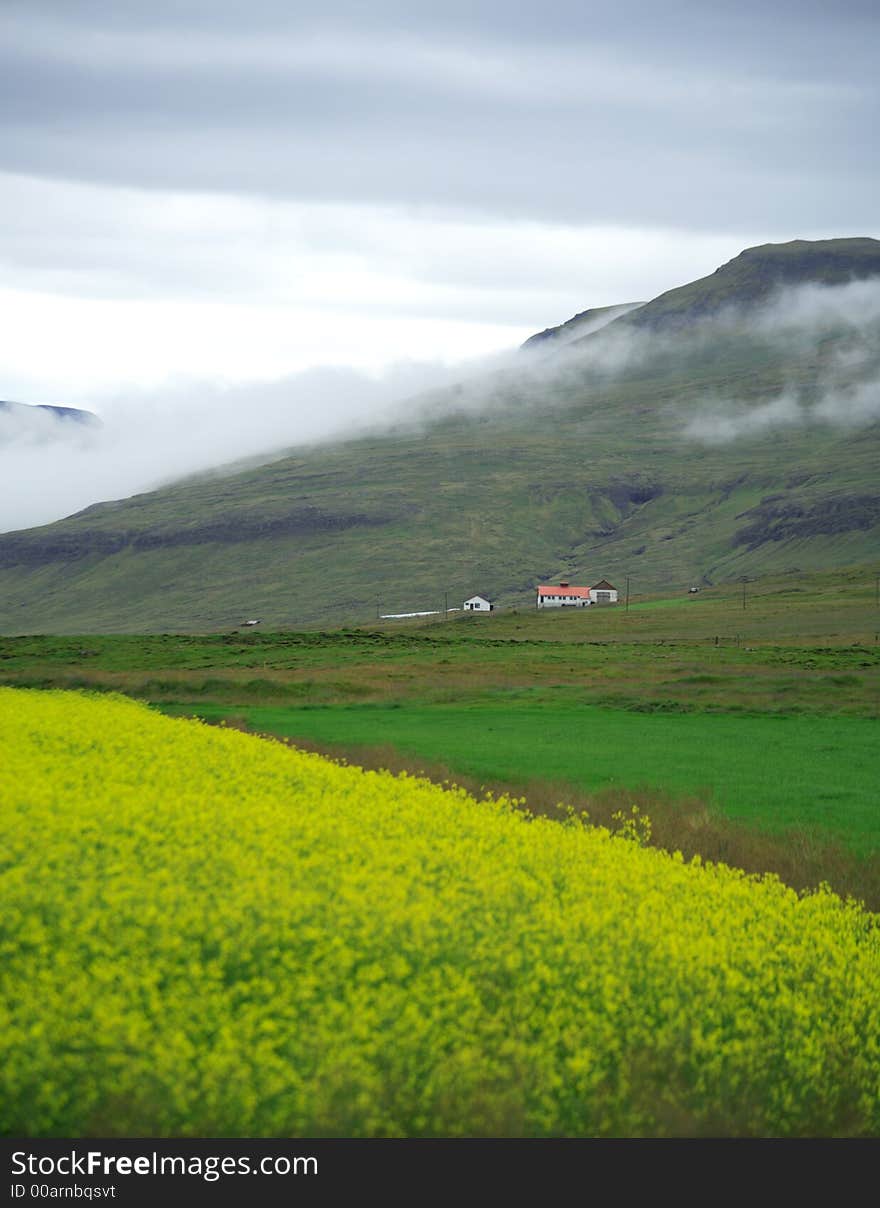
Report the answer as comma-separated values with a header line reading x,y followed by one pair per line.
x,y
377,608
446,606
627,593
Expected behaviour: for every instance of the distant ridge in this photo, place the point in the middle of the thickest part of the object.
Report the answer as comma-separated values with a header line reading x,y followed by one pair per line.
x,y
755,275
65,414
579,325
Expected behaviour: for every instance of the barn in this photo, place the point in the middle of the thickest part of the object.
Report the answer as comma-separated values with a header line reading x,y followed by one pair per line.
x,y
563,595
604,593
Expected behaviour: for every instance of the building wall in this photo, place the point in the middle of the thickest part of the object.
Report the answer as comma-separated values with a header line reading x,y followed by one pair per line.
x,y
561,602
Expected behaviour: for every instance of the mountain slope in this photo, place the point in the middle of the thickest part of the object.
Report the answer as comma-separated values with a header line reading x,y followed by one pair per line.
x,y
755,275
583,324
697,457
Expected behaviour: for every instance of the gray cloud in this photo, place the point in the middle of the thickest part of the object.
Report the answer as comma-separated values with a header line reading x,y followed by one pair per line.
x,y
96,242
694,115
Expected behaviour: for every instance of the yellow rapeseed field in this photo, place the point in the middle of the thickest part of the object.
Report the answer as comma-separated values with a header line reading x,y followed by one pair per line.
x,y
206,933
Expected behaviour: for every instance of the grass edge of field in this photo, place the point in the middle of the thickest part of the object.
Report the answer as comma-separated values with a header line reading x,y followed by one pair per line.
x,y
804,858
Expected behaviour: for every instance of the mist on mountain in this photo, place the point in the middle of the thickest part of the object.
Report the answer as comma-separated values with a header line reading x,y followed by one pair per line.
x,y
758,304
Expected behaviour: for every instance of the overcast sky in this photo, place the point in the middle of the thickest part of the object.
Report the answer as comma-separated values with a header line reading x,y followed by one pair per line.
x,y
226,192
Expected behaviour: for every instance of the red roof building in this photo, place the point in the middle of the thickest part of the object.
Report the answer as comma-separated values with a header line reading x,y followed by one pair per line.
x,y
558,595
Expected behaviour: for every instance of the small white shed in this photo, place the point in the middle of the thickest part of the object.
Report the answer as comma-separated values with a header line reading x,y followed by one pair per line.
x,y
478,604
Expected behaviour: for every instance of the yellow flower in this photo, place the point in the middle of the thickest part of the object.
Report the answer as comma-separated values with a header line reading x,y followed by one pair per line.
x,y
205,933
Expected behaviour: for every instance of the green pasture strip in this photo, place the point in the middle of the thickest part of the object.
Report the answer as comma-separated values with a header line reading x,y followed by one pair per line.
x,y
456,663
771,771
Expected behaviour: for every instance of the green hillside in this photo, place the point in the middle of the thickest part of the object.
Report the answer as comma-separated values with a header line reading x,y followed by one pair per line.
x,y
757,273
579,468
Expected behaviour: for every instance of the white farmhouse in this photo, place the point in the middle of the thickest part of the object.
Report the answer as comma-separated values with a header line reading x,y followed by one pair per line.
x,y
603,593
563,595
478,604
